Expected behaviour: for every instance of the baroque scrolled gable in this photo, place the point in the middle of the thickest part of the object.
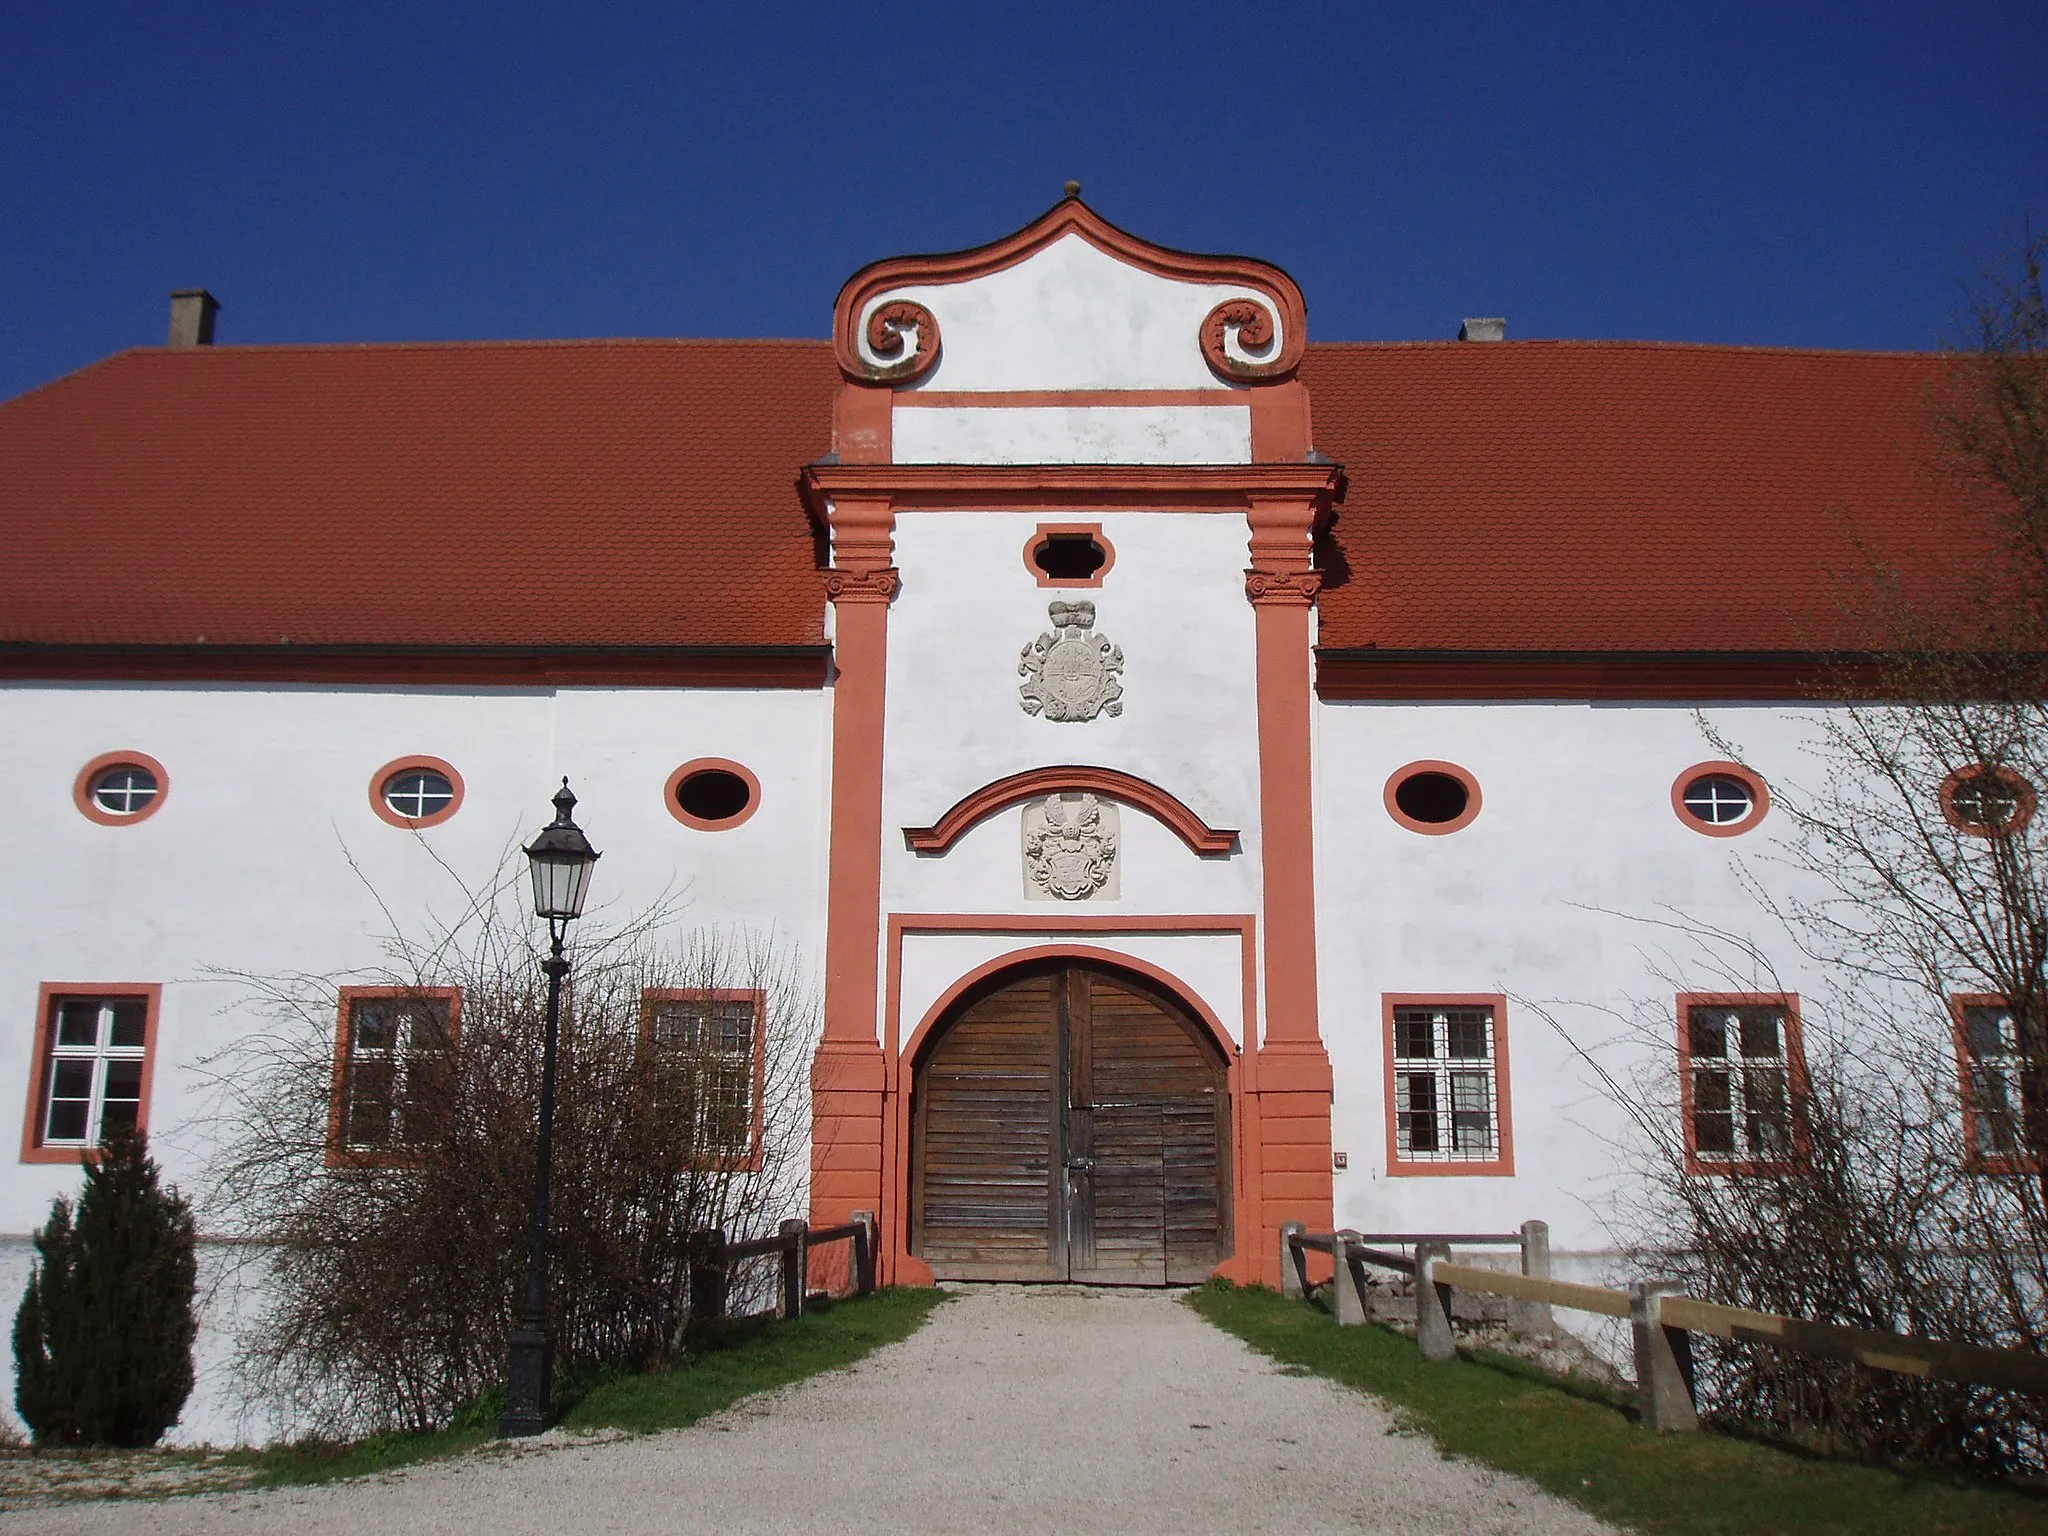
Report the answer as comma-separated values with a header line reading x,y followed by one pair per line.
x,y
1224,321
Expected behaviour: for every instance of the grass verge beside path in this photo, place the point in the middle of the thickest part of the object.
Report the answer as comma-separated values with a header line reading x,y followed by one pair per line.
x,y
774,1355
756,1358
1581,1443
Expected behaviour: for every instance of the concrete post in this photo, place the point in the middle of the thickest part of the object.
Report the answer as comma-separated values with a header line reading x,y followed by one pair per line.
x,y
1293,1266
1433,1305
793,1256
864,1253
1535,1315
1347,1291
1663,1363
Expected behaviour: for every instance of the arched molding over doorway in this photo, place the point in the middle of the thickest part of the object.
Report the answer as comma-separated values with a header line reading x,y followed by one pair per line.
x,y
1081,954
1124,788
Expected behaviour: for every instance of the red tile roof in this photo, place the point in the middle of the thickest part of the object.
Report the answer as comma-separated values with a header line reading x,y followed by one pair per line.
x,y
1575,496
1624,495
581,493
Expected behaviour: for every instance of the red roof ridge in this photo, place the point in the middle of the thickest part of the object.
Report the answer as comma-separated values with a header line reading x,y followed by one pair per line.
x,y
1595,343
507,343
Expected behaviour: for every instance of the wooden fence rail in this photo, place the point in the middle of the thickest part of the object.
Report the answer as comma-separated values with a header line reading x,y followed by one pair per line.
x,y
1662,1321
793,1242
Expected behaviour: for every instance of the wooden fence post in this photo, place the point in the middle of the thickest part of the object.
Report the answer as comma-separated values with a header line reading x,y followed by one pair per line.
x,y
1347,1283
864,1254
1293,1263
1433,1304
1536,1315
792,1232
708,1280
1663,1363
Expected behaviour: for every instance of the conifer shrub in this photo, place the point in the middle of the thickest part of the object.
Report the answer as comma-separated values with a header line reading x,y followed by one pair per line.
x,y
103,1339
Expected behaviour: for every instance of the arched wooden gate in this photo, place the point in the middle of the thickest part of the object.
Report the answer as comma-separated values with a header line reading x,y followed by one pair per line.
x,y
1071,1122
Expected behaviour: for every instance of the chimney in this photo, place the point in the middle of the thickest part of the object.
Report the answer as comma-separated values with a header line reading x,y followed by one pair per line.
x,y
1494,329
192,312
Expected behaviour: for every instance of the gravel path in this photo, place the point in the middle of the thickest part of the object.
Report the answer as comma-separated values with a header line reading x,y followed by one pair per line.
x,y
1014,1409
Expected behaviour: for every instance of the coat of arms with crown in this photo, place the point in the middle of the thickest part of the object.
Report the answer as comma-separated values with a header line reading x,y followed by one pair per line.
x,y
1071,672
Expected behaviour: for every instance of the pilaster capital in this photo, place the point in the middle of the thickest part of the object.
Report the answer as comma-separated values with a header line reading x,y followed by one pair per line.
x,y
1292,589
862,586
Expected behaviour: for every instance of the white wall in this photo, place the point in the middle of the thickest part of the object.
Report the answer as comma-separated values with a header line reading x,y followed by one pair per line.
x,y
1070,434
1071,317
246,866
1534,899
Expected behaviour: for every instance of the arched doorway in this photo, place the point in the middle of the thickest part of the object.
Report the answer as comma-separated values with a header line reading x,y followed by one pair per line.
x,y
1071,1121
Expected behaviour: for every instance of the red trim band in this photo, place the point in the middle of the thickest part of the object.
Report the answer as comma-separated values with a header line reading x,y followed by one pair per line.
x,y
767,666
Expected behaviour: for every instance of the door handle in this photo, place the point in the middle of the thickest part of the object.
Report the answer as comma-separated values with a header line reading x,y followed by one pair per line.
x,y
1080,1165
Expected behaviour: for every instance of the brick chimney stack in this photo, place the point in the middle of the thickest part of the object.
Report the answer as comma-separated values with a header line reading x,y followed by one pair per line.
x,y
192,312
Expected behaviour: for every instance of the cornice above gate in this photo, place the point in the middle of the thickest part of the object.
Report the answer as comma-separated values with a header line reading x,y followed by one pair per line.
x,y
1034,783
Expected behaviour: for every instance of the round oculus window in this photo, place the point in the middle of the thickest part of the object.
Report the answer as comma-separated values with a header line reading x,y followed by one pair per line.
x,y
1988,801
1432,798
418,794
125,789
1718,799
713,796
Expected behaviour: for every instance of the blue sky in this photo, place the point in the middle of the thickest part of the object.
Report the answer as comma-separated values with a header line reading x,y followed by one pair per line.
x,y
1771,173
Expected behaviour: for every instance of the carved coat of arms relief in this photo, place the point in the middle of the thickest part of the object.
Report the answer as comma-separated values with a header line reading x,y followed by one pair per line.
x,y
1070,672
1069,848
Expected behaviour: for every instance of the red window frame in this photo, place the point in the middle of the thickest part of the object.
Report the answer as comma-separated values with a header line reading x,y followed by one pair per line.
x,y
698,765
1973,1160
1795,1083
92,810
758,998
41,1063
2024,800
1045,531
339,1153
1502,1165
1457,823
1749,778
415,763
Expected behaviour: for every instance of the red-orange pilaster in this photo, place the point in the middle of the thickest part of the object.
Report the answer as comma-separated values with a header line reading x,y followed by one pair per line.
x,y
1293,1078
847,1076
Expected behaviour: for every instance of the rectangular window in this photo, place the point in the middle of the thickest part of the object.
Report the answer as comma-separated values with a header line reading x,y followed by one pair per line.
x,y
1988,1051
92,1078
707,1065
1740,1072
392,1053
1447,1085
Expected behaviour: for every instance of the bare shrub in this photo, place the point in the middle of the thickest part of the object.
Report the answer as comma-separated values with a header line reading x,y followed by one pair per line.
x,y
1871,1218
386,1198
1909,1190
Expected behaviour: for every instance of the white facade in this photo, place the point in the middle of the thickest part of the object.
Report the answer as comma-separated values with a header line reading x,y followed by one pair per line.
x,y
1117,395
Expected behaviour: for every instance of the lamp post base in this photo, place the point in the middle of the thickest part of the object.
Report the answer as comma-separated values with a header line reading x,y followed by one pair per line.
x,y
529,1368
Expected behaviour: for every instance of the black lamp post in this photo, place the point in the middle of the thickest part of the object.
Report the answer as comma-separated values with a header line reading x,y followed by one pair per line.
x,y
560,861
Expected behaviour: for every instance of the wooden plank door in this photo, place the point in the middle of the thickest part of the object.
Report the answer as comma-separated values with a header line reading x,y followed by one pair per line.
x,y
1155,1092
1072,1124
988,1184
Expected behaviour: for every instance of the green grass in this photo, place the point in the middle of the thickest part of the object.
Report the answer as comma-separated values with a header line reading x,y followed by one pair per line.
x,y
1582,1442
755,1358
765,1356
